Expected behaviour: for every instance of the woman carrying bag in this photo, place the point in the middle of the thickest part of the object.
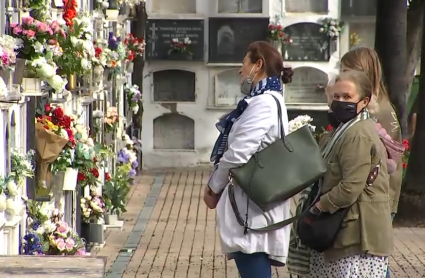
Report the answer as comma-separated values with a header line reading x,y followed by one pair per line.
x,y
357,237
246,130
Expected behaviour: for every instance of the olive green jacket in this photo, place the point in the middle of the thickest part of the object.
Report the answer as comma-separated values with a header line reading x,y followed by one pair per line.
x,y
388,119
367,227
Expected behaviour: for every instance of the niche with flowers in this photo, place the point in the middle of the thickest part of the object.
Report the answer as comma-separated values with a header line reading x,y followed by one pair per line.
x,y
174,132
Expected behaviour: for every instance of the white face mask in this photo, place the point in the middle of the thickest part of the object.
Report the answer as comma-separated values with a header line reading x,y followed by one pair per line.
x,y
247,83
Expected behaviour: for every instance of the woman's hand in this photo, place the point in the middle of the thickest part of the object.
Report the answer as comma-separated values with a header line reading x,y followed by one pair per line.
x,y
210,198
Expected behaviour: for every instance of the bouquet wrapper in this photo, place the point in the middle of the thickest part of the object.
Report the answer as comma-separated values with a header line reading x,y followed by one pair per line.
x,y
48,146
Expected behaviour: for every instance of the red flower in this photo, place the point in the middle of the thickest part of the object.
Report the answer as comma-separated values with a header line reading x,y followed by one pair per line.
x,y
94,159
47,108
404,165
58,113
81,177
279,27
406,144
95,172
71,137
98,51
328,128
107,176
281,35
271,27
65,122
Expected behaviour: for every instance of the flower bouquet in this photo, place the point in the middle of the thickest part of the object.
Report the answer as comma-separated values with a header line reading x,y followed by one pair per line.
x,y
179,47
115,193
10,199
52,135
111,120
8,46
135,47
127,160
276,34
80,51
301,121
92,208
331,27
117,53
53,237
22,166
133,96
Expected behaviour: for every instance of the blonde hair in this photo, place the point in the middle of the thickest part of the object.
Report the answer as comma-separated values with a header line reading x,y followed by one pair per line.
x,y
363,85
367,60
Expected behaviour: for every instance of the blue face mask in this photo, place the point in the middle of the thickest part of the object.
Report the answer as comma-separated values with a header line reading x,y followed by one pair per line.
x,y
246,86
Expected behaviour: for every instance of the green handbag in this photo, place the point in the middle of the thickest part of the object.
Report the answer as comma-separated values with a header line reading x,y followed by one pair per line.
x,y
281,170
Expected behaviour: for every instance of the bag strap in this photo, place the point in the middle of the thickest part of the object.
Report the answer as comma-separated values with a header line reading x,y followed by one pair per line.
x,y
274,226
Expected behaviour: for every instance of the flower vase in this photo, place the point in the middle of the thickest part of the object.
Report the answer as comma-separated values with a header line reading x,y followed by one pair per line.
x,y
111,219
19,71
72,82
277,44
129,67
93,233
70,179
31,85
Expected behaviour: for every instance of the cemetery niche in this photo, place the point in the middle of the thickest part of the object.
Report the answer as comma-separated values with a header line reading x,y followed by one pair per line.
x,y
306,6
174,132
238,6
174,85
358,7
227,88
307,87
308,43
229,38
175,39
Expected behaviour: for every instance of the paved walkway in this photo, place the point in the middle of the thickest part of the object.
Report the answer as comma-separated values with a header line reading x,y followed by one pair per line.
x,y
169,232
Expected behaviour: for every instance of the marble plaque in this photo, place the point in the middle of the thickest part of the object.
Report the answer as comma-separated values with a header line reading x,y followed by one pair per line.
x,y
227,88
306,6
174,85
174,6
229,38
160,32
307,86
308,44
238,6
358,7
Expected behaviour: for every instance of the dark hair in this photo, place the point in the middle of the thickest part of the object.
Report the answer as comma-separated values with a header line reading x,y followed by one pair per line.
x,y
272,60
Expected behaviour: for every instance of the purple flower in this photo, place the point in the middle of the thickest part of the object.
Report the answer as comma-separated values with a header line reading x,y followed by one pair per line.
x,y
135,164
123,157
132,173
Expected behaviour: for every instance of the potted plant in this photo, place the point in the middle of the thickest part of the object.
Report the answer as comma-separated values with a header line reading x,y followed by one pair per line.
x,y
133,96
92,209
115,192
135,48
180,49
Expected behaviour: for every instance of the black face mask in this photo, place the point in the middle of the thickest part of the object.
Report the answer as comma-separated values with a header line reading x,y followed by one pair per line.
x,y
333,120
344,111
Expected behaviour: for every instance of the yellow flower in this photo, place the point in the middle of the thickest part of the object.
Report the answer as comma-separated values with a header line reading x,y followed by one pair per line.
x,y
52,126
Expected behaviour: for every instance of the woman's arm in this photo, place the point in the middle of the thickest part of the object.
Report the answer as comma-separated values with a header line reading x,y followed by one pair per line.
x,y
355,162
253,125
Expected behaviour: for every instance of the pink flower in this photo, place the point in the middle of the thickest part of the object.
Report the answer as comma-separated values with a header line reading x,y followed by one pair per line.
x,y
27,20
80,252
13,25
70,243
62,227
50,31
17,30
30,34
55,25
60,244
42,27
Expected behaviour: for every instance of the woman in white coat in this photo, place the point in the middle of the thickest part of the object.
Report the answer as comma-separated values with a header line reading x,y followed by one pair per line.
x,y
251,127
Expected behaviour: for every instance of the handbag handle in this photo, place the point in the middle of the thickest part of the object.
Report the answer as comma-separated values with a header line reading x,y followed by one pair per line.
x,y
274,226
280,125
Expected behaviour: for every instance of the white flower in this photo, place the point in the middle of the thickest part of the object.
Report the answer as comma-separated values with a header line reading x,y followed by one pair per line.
x,y
96,207
12,188
321,30
48,226
90,142
187,40
105,4
64,134
38,47
175,40
57,82
79,128
135,109
55,212
332,22
85,64
2,202
97,114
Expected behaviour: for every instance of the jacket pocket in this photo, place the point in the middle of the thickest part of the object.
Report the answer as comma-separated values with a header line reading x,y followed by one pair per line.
x,y
349,233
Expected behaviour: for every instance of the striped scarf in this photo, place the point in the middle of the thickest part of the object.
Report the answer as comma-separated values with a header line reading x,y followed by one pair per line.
x,y
299,255
226,122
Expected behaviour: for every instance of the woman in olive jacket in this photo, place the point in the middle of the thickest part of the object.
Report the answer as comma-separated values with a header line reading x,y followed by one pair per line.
x,y
365,240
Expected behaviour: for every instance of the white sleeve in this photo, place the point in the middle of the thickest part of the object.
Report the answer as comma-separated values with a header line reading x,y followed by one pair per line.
x,y
252,127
